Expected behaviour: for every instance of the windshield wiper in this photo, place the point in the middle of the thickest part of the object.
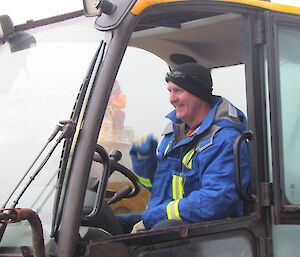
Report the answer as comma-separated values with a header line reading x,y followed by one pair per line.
x,y
81,98
67,129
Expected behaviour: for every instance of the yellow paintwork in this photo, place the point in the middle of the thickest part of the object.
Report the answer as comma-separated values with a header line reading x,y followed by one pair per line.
x,y
143,4
140,5
267,5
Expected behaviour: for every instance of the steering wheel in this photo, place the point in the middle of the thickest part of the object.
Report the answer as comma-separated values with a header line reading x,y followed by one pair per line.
x,y
128,191
96,211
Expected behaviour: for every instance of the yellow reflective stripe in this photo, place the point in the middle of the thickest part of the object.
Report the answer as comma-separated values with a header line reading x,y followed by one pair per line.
x,y
177,187
187,159
145,181
173,211
167,148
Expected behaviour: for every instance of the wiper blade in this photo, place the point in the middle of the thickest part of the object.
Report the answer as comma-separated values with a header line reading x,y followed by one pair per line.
x,y
94,66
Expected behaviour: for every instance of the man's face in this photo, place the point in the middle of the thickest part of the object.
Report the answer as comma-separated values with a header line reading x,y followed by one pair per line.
x,y
186,104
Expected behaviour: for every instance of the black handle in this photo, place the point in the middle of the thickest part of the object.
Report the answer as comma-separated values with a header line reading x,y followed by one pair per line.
x,y
102,185
244,196
120,194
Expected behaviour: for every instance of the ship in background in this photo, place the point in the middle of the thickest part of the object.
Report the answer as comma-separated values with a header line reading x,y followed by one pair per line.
x,y
115,135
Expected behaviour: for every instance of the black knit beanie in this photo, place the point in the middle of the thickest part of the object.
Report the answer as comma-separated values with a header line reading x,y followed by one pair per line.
x,y
193,78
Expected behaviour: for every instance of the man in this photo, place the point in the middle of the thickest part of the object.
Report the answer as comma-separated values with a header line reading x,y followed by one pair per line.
x,y
191,173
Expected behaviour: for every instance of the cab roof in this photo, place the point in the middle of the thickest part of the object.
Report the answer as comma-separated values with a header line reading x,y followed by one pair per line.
x,y
143,4
211,38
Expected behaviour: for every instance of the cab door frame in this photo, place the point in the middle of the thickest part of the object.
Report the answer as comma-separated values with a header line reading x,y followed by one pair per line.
x,y
284,211
257,225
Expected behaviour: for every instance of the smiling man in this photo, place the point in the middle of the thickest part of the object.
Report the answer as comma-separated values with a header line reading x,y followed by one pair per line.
x,y
192,100
191,173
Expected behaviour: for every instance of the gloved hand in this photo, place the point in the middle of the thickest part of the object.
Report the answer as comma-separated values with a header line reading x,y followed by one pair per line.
x,y
138,227
144,145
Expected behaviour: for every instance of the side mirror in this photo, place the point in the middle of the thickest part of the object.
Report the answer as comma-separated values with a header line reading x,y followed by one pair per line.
x,y
20,41
17,41
6,28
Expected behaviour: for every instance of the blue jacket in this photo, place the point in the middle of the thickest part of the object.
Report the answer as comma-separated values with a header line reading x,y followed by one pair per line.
x,y
193,180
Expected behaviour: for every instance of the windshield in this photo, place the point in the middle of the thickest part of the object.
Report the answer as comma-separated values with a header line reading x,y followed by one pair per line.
x,y
38,88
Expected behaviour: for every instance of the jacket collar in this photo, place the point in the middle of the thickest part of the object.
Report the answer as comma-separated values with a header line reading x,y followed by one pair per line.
x,y
222,114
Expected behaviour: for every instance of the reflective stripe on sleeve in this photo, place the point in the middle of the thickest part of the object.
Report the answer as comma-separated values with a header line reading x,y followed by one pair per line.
x,y
177,187
173,211
145,181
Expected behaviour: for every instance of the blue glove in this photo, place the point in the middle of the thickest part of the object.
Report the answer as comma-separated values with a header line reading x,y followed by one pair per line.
x,y
144,145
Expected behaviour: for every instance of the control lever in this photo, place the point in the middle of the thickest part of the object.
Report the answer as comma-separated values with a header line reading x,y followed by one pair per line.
x,y
120,194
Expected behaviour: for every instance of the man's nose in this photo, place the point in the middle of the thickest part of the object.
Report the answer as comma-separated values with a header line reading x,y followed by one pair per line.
x,y
172,98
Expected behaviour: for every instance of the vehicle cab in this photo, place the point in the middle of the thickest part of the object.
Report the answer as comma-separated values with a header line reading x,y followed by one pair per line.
x,y
64,203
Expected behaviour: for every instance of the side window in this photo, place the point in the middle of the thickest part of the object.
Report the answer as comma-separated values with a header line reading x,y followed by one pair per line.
x,y
289,70
284,67
284,139
229,82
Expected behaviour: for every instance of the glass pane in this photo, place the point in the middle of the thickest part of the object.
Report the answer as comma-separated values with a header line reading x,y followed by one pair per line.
x,y
222,245
230,83
286,240
289,60
38,88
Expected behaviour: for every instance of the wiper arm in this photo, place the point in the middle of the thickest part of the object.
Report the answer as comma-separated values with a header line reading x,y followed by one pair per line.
x,y
68,129
42,193
56,130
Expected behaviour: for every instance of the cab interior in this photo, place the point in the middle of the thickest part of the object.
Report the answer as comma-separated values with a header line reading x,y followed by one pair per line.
x,y
212,39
